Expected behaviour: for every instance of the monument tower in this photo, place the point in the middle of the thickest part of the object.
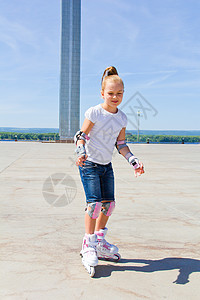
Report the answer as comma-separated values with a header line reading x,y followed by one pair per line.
x,y
69,108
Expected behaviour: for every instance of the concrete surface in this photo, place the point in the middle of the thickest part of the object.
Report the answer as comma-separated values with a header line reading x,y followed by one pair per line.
x,y
156,225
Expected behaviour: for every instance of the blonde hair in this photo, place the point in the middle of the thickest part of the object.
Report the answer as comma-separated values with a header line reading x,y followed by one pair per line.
x,y
109,74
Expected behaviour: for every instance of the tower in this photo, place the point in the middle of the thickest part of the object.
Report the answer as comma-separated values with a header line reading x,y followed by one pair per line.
x,y
69,108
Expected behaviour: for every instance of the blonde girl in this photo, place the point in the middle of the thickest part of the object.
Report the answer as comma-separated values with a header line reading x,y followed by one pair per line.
x,y
102,130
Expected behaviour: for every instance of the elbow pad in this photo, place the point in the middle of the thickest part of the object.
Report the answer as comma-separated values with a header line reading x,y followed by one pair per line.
x,y
80,135
120,144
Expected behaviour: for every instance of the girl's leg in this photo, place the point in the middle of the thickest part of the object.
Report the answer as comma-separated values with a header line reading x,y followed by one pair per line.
x,y
90,177
89,224
104,215
101,222
92,225
107,191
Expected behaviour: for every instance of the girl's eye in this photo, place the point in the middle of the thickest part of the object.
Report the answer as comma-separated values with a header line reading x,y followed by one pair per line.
x,y
110,94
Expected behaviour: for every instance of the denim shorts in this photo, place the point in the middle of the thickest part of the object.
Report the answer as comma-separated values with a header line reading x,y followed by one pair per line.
x,y
98,181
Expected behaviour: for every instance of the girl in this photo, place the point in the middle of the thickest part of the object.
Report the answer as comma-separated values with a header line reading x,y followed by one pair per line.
x,y
103,129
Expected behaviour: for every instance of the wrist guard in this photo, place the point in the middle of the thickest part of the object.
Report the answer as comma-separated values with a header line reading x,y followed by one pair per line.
x,y
132,160
80,150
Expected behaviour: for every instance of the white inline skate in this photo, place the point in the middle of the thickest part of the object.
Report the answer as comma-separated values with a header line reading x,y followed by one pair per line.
x,y
104,249
89,253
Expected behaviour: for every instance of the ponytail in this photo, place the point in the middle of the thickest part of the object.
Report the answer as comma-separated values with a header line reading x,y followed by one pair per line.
x,y
108,74
109,71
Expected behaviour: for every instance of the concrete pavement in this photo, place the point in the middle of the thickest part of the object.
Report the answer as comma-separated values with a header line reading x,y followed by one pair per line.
x,y
156,225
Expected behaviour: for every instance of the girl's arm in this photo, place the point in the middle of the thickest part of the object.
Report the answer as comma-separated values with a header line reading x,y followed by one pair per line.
x,y
86,128
125,151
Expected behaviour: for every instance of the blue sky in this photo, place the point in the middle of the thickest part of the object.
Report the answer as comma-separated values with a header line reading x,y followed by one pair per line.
x,y
155,46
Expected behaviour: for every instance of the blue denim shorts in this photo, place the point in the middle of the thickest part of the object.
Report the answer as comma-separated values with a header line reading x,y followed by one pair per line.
x,y
98,181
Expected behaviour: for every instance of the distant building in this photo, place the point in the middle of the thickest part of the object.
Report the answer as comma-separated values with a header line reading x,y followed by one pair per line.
x,y
69,109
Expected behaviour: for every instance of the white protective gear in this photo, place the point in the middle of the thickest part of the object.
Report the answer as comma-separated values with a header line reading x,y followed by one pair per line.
x,y
88,252
80,150
80,135
106,250
120,145
132,160
93,209
107,208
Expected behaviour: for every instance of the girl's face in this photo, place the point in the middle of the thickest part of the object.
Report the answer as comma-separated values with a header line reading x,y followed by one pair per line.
x,y
113,94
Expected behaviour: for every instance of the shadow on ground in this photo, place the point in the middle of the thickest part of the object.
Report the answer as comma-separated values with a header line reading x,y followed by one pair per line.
x,y
185,266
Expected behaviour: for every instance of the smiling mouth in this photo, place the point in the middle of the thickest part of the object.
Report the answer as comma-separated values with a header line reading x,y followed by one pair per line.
x,y
114,101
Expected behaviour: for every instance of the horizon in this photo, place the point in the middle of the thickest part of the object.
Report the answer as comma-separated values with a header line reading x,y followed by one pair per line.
x,y
20,128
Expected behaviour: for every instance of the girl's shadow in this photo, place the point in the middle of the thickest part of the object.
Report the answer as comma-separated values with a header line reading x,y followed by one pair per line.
x,y
186,266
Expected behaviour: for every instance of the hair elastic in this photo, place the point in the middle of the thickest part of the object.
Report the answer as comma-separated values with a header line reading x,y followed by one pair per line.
x,y
107,73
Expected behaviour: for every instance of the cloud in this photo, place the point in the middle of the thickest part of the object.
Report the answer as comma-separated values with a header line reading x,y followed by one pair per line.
x,y
13,34
183,84
158,80
183,61
149,72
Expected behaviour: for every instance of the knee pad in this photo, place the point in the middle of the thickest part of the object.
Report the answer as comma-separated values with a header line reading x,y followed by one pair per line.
x,y
93,209
107,208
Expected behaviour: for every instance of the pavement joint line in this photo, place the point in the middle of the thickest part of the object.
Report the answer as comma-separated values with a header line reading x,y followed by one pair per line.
x,y
181,212
13,162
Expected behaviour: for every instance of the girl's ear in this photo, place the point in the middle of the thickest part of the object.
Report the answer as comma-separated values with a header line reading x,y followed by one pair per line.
x,y
102,94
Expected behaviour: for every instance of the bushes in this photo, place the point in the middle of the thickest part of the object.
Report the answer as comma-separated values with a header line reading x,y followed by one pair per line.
x,y
28,136
163,139
129,137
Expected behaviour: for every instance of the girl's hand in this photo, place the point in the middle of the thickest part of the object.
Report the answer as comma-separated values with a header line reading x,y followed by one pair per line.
x,y
80,160
140,170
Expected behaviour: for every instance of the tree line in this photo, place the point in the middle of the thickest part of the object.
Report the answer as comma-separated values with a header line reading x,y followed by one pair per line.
x,y
162,139
28,136
129,137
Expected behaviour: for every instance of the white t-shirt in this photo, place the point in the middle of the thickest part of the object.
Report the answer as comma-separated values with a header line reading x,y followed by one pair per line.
x,y
104,133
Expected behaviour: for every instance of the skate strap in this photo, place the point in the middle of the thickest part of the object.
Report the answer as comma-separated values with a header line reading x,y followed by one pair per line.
x,y
80,150
93,209
132,160
120,145
80,135
121,142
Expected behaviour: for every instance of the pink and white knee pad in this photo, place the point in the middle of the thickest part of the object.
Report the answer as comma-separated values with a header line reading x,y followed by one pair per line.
x,y
107,208
93,209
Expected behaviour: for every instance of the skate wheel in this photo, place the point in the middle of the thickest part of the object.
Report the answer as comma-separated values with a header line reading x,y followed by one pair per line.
x,y
92,271
117,257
